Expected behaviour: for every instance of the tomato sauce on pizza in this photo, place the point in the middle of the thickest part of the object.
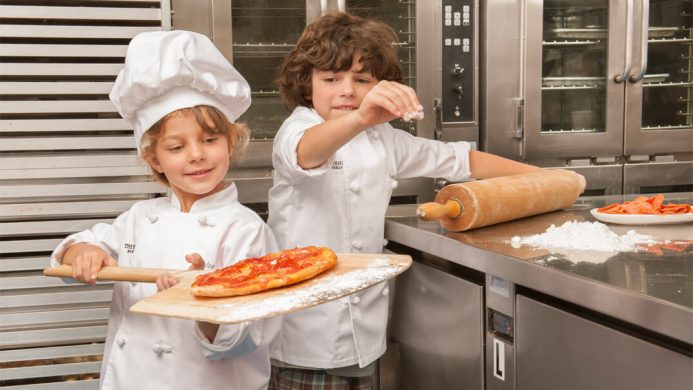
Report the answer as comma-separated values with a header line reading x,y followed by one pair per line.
x,y
262,273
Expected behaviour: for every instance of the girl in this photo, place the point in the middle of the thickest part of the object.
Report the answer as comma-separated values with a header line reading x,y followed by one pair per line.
x,y
337,157
181,96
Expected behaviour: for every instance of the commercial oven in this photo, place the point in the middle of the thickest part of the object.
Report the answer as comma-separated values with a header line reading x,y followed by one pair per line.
x,y
600,86
255,35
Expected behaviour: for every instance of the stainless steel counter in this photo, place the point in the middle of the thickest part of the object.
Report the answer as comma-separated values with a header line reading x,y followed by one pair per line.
x,y
651,288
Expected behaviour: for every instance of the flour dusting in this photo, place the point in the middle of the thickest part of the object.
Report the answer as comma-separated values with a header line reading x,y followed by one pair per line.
x,y
594,236
327,288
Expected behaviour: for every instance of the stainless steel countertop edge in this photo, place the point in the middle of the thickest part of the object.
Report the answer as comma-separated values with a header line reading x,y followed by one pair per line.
x,y
647,312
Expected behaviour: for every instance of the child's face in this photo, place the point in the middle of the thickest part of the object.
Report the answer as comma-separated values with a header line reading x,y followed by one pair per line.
x,y
334,94
194,162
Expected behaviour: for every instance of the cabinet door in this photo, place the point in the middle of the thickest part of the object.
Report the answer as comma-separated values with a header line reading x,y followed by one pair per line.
x,y
659,106
573,105
559,350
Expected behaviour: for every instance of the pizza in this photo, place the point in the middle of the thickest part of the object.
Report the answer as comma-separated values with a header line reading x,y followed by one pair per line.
x,y
263,273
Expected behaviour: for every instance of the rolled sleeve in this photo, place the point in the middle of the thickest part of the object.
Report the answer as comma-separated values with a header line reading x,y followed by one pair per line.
x,y
286,142
422,157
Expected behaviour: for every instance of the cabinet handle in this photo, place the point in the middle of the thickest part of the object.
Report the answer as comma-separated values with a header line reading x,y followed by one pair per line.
x,y
645,26
629,43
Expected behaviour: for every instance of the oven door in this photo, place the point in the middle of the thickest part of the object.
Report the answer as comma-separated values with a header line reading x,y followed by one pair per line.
x,y
574,85
659,93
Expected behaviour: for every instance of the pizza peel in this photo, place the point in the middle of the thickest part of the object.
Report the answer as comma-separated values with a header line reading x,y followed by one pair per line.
x,y
352,273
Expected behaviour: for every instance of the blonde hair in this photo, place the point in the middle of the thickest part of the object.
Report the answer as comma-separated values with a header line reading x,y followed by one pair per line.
x,y
329,44
212,121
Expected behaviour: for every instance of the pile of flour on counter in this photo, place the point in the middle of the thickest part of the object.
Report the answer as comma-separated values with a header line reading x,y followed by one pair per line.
x,y
593,236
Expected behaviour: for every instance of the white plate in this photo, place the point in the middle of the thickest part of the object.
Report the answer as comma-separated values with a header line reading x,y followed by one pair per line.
x,y
642,219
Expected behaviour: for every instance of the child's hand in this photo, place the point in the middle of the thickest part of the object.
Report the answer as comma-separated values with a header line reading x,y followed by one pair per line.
x,y
386,101
86,260
164,281
582,181
196,261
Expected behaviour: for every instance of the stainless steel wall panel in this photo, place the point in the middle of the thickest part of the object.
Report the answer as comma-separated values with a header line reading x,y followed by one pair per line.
x,y
56,88
50,352
77,13
26,246
49,370
54,50
53,317
91,159
90,189
62,142
31,338
97,208
10,264
66,143
54,69
81,32
10,229
80,297
53,125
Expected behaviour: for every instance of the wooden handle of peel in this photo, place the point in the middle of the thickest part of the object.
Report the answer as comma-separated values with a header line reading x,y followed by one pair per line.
x,y
433,211
114,273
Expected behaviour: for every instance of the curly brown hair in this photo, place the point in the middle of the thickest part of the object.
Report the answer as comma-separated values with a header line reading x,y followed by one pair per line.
x,y
211,120
329,44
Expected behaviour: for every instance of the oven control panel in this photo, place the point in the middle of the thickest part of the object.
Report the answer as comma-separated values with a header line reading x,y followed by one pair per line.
x,y
459,50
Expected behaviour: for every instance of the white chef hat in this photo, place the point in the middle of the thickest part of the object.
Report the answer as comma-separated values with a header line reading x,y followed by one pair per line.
x,y
169,70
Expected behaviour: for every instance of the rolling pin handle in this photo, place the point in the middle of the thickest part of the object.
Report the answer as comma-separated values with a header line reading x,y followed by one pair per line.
x,y
432,210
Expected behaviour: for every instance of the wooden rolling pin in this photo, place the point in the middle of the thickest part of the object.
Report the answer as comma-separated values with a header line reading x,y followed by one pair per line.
x,y
119,274
465,206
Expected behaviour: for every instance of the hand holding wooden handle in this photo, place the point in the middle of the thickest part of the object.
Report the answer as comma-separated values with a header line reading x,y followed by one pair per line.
x,y
432,210
113,273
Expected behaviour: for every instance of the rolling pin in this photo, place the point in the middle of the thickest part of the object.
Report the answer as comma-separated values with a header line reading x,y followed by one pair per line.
x,y
465,206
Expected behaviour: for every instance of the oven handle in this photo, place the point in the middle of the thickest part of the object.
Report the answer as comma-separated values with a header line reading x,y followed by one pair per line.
x,y
629,43
645,26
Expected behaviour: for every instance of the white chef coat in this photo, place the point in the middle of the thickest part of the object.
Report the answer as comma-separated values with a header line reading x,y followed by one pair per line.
x,y
342,205
151,352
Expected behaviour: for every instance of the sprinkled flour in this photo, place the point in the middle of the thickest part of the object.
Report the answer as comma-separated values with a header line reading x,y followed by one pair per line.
x,y
328,288
594,236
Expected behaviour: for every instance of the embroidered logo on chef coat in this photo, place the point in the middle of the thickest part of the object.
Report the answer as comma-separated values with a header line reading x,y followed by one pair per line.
x,y
130,248
337,165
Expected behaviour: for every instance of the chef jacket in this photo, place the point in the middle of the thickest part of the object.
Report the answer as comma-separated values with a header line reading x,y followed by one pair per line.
x,y
341,204
151,352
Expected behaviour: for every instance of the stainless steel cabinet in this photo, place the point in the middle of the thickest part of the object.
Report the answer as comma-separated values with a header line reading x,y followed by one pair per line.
x,y
559,350
436,332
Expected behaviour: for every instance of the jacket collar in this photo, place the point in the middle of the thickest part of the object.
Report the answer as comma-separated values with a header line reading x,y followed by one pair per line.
x,y
220,199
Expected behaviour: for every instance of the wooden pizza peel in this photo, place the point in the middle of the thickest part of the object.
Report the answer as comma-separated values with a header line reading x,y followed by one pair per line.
x,y
353,272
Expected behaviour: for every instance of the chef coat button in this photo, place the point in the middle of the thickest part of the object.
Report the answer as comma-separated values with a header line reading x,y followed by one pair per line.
x,y
158,349
355,188
386,291
121,342
152,218
206,221
356,245
355,300
385,242
394,184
